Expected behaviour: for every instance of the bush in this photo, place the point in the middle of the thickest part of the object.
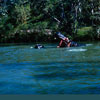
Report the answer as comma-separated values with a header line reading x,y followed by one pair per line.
x,y
85,34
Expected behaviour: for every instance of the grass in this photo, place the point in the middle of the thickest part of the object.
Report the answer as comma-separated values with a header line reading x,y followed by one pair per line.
x,y
84,31
85,34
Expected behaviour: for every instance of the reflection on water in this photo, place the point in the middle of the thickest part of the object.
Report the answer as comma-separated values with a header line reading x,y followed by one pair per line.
x,y
25,70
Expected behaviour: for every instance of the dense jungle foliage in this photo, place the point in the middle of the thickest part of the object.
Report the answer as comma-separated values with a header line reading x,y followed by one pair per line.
x,y
39,20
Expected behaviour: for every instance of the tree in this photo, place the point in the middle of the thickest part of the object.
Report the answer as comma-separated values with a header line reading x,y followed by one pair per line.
x,y
22,12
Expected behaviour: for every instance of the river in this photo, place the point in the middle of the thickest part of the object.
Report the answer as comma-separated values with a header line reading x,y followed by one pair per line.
x,y
74,70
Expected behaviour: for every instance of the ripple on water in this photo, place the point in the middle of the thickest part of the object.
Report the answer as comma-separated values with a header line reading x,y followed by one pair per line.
x,y
77,50
49,71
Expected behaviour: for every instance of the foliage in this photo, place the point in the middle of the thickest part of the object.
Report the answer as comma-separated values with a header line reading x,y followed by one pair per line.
x,y
85,34
72,17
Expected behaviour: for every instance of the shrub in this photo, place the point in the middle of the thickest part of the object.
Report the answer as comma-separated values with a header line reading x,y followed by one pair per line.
x,y
85,34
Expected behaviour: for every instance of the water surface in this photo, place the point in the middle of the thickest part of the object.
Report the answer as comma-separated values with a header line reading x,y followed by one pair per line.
x,y
74,70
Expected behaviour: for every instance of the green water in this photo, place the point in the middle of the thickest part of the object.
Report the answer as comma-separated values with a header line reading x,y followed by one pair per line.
x,y
74,70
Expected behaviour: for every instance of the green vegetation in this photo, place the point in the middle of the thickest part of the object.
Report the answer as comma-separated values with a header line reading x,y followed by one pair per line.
x,y
32,20
85,34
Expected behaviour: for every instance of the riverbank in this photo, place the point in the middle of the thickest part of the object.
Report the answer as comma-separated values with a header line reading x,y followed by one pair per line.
x,y
29,36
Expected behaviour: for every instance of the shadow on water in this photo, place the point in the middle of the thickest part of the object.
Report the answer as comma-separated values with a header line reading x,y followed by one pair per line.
x,y
63,70
56,70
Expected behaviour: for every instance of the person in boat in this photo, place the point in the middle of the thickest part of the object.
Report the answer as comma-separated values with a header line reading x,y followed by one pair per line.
x,y
65,42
